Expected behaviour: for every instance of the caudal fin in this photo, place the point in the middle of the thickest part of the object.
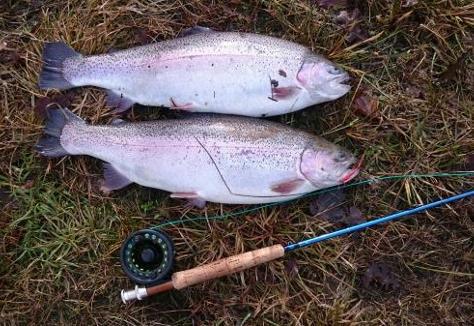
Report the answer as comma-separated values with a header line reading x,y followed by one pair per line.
x,y
50,143
52,75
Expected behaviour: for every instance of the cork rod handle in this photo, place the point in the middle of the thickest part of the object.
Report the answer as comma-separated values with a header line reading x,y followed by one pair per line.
x,y
226,266
219,268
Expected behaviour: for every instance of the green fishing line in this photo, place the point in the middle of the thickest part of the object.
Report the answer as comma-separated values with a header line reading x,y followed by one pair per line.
x,y
318,192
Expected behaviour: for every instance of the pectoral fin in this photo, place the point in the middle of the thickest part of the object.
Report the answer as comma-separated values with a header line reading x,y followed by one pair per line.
x,y
287,186
282,93
113,180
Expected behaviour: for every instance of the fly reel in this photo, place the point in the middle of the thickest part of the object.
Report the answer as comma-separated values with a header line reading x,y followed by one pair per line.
x,y
147,257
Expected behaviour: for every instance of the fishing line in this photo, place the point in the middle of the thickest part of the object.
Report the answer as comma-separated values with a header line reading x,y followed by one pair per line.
x,y
147,255
240,262
316,193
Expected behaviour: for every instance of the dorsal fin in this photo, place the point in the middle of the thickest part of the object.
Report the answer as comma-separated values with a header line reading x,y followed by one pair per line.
x,y
195,30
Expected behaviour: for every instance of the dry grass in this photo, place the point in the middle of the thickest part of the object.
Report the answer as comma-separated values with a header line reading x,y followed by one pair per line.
x,y
60,237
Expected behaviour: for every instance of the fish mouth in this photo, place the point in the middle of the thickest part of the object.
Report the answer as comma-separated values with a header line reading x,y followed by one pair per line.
x,y
343,78
341,83
353,172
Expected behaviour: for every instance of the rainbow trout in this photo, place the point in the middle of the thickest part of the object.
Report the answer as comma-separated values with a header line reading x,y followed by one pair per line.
x,y
217,158
207,71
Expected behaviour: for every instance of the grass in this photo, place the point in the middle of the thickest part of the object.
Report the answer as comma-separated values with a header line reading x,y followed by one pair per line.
x,y
60,236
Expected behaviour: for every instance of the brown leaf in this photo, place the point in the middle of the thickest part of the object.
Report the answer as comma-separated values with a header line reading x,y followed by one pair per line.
x,y
10,57
356,34
469,162
329,207
354,216
143,36
36,4
366,105
346,17
331,3
351,23
5,196
409,3
451,72
28,185
415,92
326,204
291,267
43,103
380,275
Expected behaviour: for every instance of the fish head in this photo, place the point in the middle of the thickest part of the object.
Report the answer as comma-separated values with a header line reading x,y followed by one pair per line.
x,y
323,80
329,166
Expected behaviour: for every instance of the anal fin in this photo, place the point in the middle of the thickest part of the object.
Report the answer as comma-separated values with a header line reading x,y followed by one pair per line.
x,y
113,180
197,202
192,197
118,101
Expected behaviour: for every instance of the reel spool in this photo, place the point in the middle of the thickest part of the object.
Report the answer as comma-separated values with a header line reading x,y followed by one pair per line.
x,y
147,257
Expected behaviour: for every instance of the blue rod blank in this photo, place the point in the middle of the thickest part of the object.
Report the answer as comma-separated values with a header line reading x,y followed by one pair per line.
x,y
380,220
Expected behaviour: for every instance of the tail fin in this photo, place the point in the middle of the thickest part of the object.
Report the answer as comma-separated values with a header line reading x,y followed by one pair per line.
x,y
52,75
50,143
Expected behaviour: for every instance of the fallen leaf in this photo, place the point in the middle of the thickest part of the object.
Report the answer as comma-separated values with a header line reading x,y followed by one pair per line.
x,y
367,105
356,34
468,41
380,275
329,207
43,103
28,185
452,70
143,36
345,17
469,162
10,57
327,203
354,216
331,3
263,275
5,196
334,215
37,3
409,3
291,267
351,23
415,92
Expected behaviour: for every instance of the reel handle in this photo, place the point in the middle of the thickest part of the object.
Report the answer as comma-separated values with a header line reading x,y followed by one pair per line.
x,y
200,274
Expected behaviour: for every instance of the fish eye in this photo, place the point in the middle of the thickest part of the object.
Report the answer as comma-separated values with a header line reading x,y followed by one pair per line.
x,y
334,71
341,157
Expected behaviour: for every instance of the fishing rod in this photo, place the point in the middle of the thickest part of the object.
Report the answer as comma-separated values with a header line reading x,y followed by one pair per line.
x,y
232,264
